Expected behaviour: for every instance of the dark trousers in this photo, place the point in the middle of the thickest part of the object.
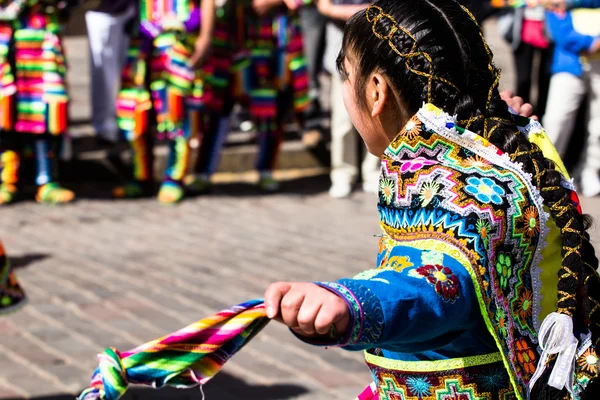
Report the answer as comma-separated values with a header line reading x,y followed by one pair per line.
x,y
524,56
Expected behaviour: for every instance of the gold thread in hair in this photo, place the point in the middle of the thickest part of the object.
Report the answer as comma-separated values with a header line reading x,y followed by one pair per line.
x,y
413,53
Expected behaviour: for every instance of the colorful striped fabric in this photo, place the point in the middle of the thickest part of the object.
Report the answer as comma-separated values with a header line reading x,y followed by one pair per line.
x,y
184,359
38,94
175,89
167,14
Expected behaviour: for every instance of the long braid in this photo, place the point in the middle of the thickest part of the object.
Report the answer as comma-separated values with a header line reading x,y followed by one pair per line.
x,y
578,272
470,91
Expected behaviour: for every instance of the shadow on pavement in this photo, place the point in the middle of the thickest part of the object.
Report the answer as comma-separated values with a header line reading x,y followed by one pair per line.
x,y
18,262
222,387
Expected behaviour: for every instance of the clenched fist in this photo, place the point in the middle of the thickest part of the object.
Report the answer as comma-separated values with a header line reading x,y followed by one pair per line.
x,y
307,309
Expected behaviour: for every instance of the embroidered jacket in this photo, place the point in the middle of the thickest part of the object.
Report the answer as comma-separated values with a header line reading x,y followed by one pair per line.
x,y
466,271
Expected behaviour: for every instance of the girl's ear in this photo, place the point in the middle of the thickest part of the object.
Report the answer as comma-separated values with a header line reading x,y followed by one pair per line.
x,y
379,92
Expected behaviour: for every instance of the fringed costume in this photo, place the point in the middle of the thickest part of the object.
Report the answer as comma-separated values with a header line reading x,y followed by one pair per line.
x,y
33,94
12,296
259,62
160,92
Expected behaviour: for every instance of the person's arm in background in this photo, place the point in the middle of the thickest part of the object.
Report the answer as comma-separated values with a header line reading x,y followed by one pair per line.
x,y
341,12
564,35
202,45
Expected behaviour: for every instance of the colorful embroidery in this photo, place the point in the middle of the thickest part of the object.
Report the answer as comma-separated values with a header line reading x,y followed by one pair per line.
x,y
588,361
428,192
442,278
531,222
501,321
485,190
365,328
483,227
387,189
473,378
526,357
452,186
504,269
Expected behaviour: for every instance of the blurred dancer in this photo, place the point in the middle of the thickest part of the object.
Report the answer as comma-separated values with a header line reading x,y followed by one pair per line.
x,y
576,69
108,38
33,95
257,58
161,90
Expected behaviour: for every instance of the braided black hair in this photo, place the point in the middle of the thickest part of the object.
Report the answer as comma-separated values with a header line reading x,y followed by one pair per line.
x,y
457,53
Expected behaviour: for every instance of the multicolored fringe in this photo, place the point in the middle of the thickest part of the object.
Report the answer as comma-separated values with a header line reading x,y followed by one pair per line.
x,y
141,158
9,167
184,359
157,11
255,61
12,295
42,99
8,88
179,156
174,87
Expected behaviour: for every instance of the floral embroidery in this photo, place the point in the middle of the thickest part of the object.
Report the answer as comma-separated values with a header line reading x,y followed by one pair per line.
x,y
532,223
483,229
370,274
419,385
399,263
588,361
428,192
416,164
493,380
387,189
475,161
442,278
504,269
526,356
525,304
412,129
485,190
501,320
432,258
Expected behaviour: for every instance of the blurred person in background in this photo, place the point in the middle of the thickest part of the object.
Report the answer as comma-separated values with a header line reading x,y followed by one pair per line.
x,y
576,73
108,40
161,90
523,28
257,59
33,95
345,162
313,28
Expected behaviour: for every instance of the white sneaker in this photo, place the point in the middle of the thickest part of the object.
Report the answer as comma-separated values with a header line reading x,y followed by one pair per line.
x,y
590,183
340,190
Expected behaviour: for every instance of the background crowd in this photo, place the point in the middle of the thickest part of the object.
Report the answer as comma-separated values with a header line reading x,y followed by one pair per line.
x,y
176,71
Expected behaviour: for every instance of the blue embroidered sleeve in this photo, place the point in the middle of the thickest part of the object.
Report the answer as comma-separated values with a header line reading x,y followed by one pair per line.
x,y
416,300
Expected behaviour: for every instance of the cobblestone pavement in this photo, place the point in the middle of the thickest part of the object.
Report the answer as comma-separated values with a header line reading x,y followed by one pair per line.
x,y
102,273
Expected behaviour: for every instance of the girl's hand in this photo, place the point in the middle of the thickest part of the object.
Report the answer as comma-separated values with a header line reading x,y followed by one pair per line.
x,y
518,104
307,309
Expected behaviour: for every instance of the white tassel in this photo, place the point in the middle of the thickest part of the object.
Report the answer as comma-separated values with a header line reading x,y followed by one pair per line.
x,y
556,337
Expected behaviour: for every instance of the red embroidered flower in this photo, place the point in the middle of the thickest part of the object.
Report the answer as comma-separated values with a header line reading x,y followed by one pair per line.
x,y
526,356
443,279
